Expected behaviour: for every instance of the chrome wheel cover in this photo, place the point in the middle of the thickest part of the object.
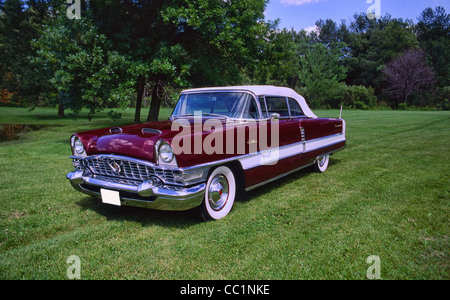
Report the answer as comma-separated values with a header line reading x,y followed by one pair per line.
x,y
218,192
322,160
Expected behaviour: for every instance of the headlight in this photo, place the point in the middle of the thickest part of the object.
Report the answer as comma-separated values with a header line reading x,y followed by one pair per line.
x,y
165,152
77,145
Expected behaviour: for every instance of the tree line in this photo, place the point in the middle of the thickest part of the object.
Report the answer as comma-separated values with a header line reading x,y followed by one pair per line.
x,y
121,53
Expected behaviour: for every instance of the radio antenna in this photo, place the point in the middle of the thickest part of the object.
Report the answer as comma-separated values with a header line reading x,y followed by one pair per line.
x,y
340,113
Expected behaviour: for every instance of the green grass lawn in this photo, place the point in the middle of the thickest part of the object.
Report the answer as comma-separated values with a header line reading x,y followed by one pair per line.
x,y
386,194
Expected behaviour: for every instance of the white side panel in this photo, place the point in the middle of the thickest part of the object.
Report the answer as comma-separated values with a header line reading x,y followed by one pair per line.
x,y
323,142
273,156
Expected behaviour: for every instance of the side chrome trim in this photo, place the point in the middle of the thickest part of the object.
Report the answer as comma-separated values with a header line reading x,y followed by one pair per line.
x,y
259,155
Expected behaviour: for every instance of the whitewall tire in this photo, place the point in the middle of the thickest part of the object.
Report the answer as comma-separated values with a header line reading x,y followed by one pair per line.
x,y
220,194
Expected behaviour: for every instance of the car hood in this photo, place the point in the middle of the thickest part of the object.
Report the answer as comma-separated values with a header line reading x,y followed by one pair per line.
x,y
136,141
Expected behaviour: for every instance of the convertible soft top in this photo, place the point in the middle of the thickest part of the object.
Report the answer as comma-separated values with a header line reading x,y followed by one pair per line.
x,y
262,90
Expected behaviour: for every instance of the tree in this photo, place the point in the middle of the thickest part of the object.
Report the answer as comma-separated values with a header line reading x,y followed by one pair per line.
x,y
280,59
330,32
197,41
120,46
433,24
84,70
137,31
322,73
16,33
373,44
223,39
408,74
433,31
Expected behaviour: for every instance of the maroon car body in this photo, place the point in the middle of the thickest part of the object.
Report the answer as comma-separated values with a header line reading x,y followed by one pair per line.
x,y
218,143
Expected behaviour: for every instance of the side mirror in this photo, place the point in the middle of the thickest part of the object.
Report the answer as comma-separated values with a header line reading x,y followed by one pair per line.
x,y
274,116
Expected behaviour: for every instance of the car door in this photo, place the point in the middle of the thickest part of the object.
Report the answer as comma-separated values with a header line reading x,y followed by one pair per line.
x,y
282,130
276,109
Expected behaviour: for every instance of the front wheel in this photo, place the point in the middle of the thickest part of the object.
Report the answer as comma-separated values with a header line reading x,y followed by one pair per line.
x,y
321,164
219,195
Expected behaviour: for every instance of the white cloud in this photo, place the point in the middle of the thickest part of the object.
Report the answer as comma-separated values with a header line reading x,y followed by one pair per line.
x,y
311,29
299,2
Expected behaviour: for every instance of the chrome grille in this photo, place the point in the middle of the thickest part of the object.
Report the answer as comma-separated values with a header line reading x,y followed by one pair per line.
x,y
129,169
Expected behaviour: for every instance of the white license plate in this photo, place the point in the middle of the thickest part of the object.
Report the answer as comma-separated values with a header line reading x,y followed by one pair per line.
x,y
110,197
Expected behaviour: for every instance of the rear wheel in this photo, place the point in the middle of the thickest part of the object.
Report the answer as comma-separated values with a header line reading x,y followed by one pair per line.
x,y
220,194
321,164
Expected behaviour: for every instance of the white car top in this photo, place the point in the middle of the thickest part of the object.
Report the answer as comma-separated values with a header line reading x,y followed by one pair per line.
x,y
262,90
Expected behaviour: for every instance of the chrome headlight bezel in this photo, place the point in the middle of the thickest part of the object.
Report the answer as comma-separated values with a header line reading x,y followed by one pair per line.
x,y
77,147
165,154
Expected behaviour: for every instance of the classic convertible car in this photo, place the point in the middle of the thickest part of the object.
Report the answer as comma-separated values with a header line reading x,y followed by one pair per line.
x,y
217,144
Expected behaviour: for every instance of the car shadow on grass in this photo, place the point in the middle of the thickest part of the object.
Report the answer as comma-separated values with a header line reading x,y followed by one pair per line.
x,y
180,219
144,216
279,183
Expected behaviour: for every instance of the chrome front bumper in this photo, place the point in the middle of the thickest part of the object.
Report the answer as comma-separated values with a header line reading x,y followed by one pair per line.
x,y
150,193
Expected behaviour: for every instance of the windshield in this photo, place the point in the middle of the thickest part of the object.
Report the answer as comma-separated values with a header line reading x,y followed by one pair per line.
x,y
236,105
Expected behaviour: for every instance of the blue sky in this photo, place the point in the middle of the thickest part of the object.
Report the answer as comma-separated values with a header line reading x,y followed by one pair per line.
x,y
302,14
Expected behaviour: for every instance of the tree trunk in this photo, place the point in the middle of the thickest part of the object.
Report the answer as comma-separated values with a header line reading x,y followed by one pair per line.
x,y
61,110
155,103
140,93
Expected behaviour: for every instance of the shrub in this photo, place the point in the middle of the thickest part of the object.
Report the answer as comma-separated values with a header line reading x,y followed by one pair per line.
x,y
402,106
360,105
445,104
359,97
